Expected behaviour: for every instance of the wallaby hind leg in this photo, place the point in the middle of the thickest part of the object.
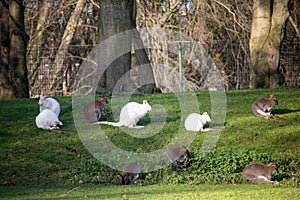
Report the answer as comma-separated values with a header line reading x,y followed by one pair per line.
x,y
136,126
54,128
261,179
58,123
207,129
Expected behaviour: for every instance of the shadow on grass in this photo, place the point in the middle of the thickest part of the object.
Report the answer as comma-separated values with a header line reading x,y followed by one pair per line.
x,y
284,111
281,176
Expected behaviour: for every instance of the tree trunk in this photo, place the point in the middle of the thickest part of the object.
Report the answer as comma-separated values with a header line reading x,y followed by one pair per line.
x,y
115,16
18,44
6,90
14,82
63,48
266,35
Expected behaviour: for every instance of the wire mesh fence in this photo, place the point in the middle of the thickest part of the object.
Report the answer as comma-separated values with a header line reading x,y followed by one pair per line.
x,y
44,68
233,61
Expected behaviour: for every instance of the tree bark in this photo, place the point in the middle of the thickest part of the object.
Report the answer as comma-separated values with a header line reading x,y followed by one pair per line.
x,y
115,16
269,18
17,55
6,90
14,82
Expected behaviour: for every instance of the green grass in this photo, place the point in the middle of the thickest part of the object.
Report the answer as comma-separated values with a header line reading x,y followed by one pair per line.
x,y
43,164
158,191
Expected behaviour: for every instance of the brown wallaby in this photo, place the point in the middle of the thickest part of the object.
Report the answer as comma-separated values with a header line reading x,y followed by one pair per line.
x,y
259,173
176,155
263,107
130,173
94,109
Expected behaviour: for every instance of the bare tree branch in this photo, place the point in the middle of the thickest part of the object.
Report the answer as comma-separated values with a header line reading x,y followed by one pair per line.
x,y
293,23
66,39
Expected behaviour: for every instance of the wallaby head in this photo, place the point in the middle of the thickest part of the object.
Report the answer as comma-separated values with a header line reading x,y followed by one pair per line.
x,y
130,173
273,167
128,178
206,117
102,100
273,100
100,103
147,106
184,154
42,99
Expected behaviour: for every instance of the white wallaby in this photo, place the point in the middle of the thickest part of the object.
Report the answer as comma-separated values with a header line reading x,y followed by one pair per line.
x,y
47,120
49,103
130,114
196,122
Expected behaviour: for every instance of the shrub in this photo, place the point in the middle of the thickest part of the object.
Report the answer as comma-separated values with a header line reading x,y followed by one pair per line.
x,y
222,168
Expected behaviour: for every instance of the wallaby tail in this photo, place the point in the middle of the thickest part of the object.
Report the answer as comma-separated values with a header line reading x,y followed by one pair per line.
x,y
118,124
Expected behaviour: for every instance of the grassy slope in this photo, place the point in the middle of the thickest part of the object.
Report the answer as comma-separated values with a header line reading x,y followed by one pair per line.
x,y
275,137
158,191
34,157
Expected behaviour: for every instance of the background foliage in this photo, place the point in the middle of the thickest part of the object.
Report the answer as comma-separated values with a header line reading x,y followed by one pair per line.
x,y
222,28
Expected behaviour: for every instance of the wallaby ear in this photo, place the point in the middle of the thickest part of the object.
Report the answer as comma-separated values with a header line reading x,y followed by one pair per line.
x,y
43,97
102,99
272,96
145,102
205,113
187,153
272,164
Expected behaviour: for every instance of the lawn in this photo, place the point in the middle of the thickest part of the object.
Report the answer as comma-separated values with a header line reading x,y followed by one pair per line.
x,y
157,191
39,164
